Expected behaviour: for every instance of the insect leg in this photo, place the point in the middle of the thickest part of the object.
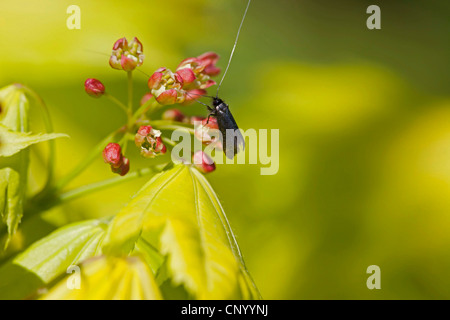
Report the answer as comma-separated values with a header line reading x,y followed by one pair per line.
x,y
211,113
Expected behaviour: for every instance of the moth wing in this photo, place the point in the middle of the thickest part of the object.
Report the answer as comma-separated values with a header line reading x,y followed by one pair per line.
x,y
233,143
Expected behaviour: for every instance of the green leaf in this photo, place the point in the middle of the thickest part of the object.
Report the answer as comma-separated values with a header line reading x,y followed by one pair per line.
x,y
10,200
109,278
14,155
178,213
14,108
14,116
50,257
12,142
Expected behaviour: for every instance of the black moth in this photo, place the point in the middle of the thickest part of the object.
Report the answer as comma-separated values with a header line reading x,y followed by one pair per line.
x,y
231,138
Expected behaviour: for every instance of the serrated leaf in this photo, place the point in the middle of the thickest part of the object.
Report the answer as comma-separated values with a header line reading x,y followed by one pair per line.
x,y
50,257
109,278
12,142
179,214
10,200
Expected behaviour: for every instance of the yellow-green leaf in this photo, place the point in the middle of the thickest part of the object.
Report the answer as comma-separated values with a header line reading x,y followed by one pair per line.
x,y
12,142
10,200
109,278
14,108
178,213
50,257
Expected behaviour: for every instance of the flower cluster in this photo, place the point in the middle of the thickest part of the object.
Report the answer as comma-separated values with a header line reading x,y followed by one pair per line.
x,y
187,83
149,141
127,56
112,154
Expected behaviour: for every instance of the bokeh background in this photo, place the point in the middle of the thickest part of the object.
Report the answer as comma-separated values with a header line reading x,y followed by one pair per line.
x,y
364,119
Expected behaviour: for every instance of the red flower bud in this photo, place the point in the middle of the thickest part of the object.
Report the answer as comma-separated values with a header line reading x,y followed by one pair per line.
x,y
125,167
94,88
112,154
167,86
174,115
203,162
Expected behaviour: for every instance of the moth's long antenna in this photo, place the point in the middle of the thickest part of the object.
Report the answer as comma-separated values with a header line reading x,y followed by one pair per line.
x,y
143,72
189,94
234,47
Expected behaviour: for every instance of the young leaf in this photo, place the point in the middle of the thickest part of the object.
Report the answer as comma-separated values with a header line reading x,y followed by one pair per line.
x,y
10,200
12,142
14,108
14,116
109,278
50,257
178,213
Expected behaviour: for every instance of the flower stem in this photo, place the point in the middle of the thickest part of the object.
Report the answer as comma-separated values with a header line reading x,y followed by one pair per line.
x,y
95,152
130,93
116,101
97,186
147,106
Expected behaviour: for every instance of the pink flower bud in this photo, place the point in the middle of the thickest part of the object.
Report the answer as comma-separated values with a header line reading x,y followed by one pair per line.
x,y
149,141
125,167
203,162
112,154
145,98
94,88
174,115
167,86
126,56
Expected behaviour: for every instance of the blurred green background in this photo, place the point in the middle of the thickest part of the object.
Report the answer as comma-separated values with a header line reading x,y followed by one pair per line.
x,y
364,119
